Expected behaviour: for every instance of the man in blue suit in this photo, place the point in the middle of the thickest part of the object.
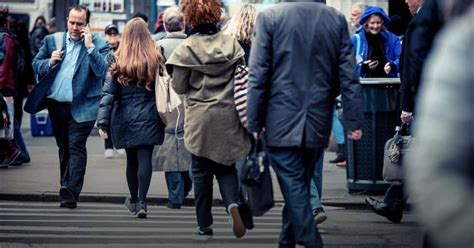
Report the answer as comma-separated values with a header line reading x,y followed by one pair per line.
x,y
74,76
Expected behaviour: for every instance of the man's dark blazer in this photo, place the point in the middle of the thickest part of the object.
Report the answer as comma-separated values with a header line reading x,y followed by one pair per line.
x,y
417,43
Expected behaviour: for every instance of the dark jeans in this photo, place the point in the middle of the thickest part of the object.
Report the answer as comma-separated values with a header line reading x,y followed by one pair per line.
x,y
71,138
395,197
294,168
139,171
204,171
179,184
20,144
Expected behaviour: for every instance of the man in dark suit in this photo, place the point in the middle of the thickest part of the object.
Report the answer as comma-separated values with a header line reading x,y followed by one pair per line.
x,y
297,68
74,76
417,43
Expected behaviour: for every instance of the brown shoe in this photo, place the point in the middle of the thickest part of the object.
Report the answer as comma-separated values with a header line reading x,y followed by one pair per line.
x,y
237,225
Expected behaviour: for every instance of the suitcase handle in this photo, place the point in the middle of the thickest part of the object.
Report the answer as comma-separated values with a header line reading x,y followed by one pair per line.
x,y
41,119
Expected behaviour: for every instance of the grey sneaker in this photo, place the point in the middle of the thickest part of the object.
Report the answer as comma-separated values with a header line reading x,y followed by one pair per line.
x,y
141,207
132,207
203,234
319,215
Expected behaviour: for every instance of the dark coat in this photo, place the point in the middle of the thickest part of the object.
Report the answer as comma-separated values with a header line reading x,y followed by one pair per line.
x,y
298,66
417,43
131,115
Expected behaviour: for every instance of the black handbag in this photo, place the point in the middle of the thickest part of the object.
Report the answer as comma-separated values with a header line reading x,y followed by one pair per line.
x,y
257,181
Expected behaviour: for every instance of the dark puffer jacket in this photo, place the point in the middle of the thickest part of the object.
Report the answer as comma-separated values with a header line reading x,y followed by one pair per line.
x,y
130,114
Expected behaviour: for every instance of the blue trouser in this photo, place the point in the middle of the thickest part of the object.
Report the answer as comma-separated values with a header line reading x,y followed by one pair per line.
x,y
317,184
294,168
337,129
20,144
179,184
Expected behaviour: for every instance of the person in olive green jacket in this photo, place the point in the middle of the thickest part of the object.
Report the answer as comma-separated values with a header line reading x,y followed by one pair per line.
x,y
203,69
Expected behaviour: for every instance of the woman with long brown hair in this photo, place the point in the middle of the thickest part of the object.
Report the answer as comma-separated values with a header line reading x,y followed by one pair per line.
x,y
128,109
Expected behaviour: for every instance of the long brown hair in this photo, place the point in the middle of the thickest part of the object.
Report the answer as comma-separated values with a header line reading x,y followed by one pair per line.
x,y
137,58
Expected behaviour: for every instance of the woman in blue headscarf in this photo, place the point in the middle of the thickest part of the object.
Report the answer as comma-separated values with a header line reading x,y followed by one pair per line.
x,y
377,50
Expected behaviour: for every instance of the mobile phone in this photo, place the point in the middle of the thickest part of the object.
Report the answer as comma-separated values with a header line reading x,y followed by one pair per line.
x,y
374,58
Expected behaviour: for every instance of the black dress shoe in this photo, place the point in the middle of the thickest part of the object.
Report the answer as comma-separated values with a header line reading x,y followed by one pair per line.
x,y
62,204
381,208
67,197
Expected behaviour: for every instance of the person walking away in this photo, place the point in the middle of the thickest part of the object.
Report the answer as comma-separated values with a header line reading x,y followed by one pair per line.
x,y
203,69
172,156
128,109
291,97
75,75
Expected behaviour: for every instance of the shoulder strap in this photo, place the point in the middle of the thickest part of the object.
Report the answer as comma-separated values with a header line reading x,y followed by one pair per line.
x,y
58,40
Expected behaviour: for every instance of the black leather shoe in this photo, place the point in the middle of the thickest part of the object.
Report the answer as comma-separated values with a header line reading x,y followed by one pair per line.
x,y
381,208
67,197
62,204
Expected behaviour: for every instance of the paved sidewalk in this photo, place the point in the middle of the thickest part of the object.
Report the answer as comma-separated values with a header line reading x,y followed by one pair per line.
x,y
105,178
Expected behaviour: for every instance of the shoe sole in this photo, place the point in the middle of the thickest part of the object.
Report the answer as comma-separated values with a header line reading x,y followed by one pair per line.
x,y
320,218
202,237
237,225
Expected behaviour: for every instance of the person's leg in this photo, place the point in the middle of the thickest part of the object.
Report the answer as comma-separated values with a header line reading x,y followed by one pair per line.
x,y
60,115
109,146
203,177
20,144
295,168
317,184
188,183
145,170
338,132
175,185
132,173
76,169
395,197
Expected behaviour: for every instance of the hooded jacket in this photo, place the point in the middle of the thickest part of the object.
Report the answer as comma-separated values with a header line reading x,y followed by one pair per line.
x,y
203,70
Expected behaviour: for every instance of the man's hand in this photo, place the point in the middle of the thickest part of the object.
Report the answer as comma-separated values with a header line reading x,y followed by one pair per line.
x,y
86,33
355,135
103,134
56,56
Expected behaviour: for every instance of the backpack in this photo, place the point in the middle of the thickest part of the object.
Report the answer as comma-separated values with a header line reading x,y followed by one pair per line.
x,y
8,61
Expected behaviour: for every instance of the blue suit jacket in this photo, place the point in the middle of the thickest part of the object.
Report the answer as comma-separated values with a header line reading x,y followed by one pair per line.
x,y
88,75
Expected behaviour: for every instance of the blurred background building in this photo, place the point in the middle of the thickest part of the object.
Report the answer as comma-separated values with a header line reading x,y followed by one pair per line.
x,y
118,12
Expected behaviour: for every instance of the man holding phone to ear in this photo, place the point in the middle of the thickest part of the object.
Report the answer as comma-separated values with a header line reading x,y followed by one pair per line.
x,y
75,74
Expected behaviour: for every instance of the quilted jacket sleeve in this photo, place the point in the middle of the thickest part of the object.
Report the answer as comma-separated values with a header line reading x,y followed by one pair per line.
x,y
109,90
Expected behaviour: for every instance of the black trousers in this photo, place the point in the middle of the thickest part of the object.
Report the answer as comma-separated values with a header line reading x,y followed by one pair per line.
x,y
71,138
204,171
395,196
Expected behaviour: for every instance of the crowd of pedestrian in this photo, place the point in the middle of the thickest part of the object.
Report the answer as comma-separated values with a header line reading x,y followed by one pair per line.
x,y
299,77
